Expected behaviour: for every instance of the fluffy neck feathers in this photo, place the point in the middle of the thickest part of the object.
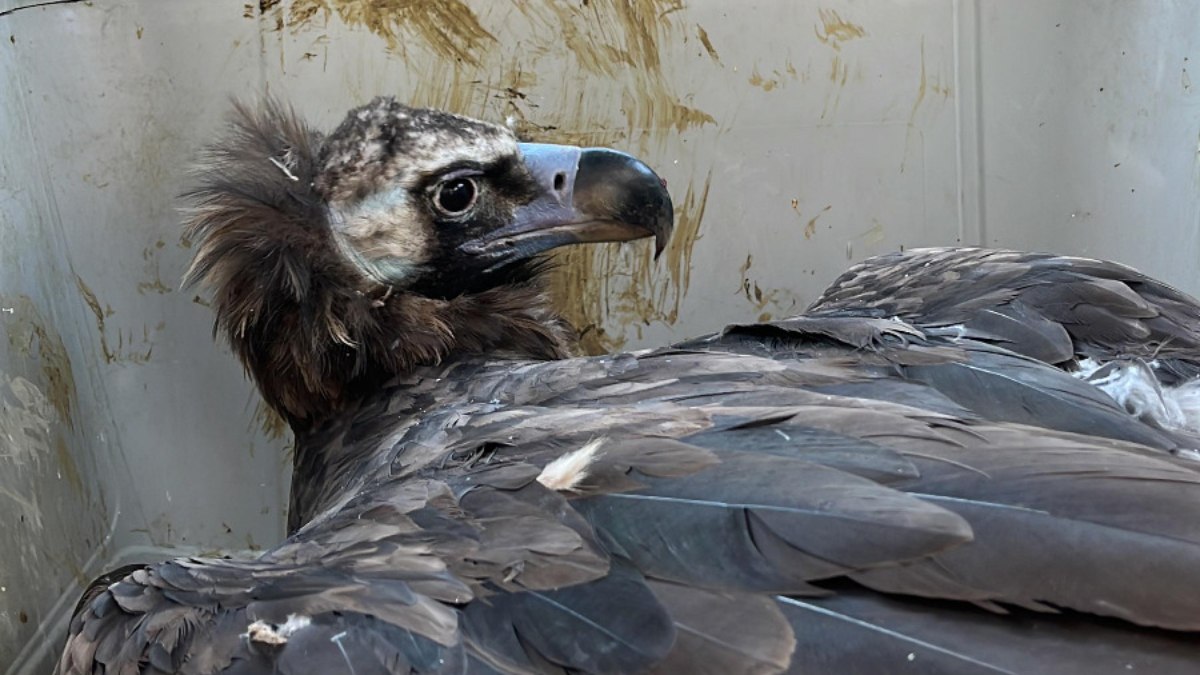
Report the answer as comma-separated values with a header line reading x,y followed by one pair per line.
x,y
311,328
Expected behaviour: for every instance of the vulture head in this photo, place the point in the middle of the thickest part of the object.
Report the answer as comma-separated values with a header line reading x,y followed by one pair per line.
x,y
405,235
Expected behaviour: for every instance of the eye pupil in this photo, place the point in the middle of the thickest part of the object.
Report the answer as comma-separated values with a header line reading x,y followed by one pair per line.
x,y
456,196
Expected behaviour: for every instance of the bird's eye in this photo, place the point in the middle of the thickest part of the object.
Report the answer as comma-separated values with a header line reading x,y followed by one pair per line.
x,y
455,196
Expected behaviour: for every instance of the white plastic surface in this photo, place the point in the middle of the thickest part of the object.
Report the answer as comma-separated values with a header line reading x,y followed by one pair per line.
x,y
796,136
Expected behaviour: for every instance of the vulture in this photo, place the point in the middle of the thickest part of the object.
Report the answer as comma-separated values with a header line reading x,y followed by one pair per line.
x,y
957,461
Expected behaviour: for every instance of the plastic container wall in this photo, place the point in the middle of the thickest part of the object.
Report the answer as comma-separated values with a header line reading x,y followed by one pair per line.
x,y
127,432
797,137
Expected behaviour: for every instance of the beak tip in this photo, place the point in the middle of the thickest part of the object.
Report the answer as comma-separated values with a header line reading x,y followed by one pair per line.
x,y
666,223
660,245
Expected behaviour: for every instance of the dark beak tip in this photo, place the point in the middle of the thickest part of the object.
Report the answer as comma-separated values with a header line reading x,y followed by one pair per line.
x,y
662,233
661,238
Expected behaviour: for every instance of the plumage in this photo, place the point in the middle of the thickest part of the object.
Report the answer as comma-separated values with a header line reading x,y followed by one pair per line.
x,y
857,632
910,477
720,633
1057,309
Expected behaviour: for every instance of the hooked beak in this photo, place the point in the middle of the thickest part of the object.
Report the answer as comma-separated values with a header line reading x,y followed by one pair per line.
x,y
586,195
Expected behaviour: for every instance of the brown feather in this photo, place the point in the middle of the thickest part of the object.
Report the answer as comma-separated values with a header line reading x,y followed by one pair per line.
x,y
311,328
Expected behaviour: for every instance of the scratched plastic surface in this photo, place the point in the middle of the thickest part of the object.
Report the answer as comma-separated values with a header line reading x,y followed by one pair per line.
x,y
797,137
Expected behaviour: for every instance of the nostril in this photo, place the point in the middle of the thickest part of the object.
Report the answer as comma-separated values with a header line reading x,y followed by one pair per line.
x,y
560,180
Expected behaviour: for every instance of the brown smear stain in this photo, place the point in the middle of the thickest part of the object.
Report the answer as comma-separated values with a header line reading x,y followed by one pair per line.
x,y
129,349
28,331
924,85
708,45
618,39
607,35
834,30
839,71
449,86
155,283
810,228
839,74
758,80
781,299
448,27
